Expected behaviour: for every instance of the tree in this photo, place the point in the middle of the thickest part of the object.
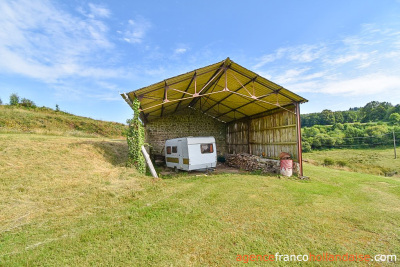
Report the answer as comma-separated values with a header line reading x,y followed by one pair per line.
x,y
394,118
1,102
311,131
350,116
27,103
306,147
339,117
375,111
378,113
57,107
135,139
395,109
14,99
327,117
338,126
351,133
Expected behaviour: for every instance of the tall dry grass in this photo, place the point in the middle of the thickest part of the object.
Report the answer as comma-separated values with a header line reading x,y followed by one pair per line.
x,y
48,178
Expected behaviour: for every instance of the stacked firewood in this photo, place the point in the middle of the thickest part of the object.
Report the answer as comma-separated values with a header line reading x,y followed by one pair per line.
x,y
250,162
243,161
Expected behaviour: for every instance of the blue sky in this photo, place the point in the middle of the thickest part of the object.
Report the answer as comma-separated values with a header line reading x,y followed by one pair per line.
x,y
81,54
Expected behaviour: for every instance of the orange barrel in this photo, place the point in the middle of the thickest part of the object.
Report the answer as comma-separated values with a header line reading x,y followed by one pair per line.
x,y
286,167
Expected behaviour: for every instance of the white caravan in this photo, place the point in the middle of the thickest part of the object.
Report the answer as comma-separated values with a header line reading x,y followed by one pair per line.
x,y
191,153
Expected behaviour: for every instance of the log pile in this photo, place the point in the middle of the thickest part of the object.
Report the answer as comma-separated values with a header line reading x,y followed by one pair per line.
x,y
250,162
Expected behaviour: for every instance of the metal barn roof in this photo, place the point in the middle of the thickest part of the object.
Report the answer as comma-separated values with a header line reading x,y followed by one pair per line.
x,y
224,90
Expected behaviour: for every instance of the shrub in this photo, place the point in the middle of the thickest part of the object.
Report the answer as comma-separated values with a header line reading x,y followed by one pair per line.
x,y
394,118
341,163
338,126
27,103
306,147
328,162
14,99
316,143
310,131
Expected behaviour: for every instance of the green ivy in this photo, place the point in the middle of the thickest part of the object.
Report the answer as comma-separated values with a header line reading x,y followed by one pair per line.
x,y
135,139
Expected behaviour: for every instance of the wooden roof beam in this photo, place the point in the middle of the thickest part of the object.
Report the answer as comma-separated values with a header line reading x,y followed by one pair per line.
x,y
187,88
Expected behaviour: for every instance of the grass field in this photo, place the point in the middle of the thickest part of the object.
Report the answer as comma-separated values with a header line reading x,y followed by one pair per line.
x,y
379,161
71,201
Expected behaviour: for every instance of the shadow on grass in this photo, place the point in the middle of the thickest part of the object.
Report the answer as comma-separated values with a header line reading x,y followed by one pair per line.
x,y
115,152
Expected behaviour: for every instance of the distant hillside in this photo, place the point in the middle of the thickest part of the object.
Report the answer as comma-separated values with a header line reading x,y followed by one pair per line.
x,y
373,125
373,111
48,121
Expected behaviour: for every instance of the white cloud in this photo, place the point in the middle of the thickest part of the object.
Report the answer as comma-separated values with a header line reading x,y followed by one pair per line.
x,y
180,50
300,54
39,40
348,58
135,30
358,65
270,58
99,11
363,85
371,84
304,87
290,75
93,11
305,53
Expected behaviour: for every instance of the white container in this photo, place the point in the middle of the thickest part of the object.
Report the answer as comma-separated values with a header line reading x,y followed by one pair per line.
x,y
286,167
191,153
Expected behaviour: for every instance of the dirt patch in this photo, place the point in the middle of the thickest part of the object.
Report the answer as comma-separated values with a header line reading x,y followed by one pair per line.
x,y
221,168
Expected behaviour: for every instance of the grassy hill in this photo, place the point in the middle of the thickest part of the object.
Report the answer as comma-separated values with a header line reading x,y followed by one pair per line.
x,y
68,201
379,161
48,121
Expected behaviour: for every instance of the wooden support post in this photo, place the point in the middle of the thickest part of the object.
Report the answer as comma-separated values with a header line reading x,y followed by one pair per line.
x,y
299,151
394,145
149,163
248,135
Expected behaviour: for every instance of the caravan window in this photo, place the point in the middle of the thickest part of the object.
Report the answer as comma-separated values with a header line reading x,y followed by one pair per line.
x,y
206,148
174,149
168,150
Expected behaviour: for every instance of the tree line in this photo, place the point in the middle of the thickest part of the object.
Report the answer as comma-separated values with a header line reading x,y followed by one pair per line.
x,y
373,111
369,126
15,100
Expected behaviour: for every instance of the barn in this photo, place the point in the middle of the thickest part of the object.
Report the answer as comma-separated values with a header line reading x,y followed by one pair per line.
x,y
246,113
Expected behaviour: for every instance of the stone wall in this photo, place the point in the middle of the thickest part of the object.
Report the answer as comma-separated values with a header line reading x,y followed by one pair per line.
x,y
188,122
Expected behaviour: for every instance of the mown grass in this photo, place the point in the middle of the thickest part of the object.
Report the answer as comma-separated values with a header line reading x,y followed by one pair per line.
x,y
379,161
70,201
42,120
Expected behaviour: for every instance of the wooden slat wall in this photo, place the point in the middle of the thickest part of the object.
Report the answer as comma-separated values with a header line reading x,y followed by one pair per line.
x,y
270,134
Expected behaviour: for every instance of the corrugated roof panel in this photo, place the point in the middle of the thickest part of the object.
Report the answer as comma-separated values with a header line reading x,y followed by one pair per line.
x,y
221,109
261,90
233,115
184,78
225,118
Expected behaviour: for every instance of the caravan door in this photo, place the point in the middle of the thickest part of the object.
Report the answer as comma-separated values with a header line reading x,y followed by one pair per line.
x,y
180,154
